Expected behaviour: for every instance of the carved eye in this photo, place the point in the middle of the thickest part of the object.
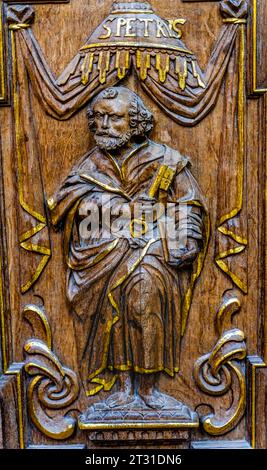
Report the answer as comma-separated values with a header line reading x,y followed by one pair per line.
x,y
97,115
115,118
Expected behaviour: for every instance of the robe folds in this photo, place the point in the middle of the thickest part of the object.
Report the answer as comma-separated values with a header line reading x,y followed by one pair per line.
x,y
130,304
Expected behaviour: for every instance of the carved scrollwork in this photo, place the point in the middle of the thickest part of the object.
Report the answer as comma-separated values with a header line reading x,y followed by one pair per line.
x,y
218,372
54,387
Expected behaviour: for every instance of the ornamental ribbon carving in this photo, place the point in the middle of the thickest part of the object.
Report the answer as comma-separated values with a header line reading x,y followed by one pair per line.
x,y
53,387
220,371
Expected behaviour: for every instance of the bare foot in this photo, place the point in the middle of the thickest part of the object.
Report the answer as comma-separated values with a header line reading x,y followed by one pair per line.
x,y
119,399
154,398
125,395
161,401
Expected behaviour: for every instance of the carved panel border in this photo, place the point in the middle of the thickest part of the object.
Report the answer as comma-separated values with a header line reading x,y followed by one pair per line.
x,y
16,369
254,17
3,68
8,368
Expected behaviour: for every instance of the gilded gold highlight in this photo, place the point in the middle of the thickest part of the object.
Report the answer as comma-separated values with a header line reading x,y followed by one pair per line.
x,y
126,44
2,65
265,306
17,373
26,245
93,377
2,322
218,429
162,66
87,67
136,425
196,75
220,257
121,12
103,65
235,20
41,315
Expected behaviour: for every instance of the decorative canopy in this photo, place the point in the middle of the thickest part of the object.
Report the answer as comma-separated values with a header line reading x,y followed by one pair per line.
x,y
133,33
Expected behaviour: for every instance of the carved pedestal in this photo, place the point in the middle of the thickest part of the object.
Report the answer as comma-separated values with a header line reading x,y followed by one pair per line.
x,y
176,437
136,425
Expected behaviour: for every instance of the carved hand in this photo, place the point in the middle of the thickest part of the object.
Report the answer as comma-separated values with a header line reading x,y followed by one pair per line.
x,y
145,202
137,242
185,255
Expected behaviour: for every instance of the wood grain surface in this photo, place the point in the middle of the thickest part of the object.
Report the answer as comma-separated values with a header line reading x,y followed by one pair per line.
x,y
61,29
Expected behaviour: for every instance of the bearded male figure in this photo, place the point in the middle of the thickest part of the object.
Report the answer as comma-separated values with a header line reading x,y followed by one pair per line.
x,y
130,296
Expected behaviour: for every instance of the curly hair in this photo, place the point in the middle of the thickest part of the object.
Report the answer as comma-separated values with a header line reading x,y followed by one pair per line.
x,y
141,119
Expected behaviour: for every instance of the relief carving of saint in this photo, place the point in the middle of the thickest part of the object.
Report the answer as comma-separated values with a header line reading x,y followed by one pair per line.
x,y
130,295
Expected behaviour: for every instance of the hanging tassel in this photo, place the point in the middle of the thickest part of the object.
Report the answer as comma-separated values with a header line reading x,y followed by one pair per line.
x,y
103,65
87,67
196,75
182,75
143,63
162,66
122,63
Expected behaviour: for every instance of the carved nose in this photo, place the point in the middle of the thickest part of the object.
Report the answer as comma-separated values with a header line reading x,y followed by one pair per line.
x,y
105,122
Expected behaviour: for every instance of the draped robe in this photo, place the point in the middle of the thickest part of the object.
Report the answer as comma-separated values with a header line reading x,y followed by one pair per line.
x,y
130,305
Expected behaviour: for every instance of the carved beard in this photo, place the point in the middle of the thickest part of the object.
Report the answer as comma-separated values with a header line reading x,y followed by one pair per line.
x,y
106,142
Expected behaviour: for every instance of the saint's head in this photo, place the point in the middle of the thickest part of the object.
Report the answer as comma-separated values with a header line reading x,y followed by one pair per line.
x,y
118,116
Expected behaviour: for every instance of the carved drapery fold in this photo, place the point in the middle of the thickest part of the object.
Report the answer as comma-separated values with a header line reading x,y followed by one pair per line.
x,y
231,236
32,223
170,75
62,97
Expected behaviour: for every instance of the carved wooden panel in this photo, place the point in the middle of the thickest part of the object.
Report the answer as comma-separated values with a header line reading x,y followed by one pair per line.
x,y
132,234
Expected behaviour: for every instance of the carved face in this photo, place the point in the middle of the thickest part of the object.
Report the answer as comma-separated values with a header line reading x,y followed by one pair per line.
x,y
112,123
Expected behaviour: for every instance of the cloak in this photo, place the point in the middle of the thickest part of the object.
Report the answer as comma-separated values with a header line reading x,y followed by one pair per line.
x,y
130,304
